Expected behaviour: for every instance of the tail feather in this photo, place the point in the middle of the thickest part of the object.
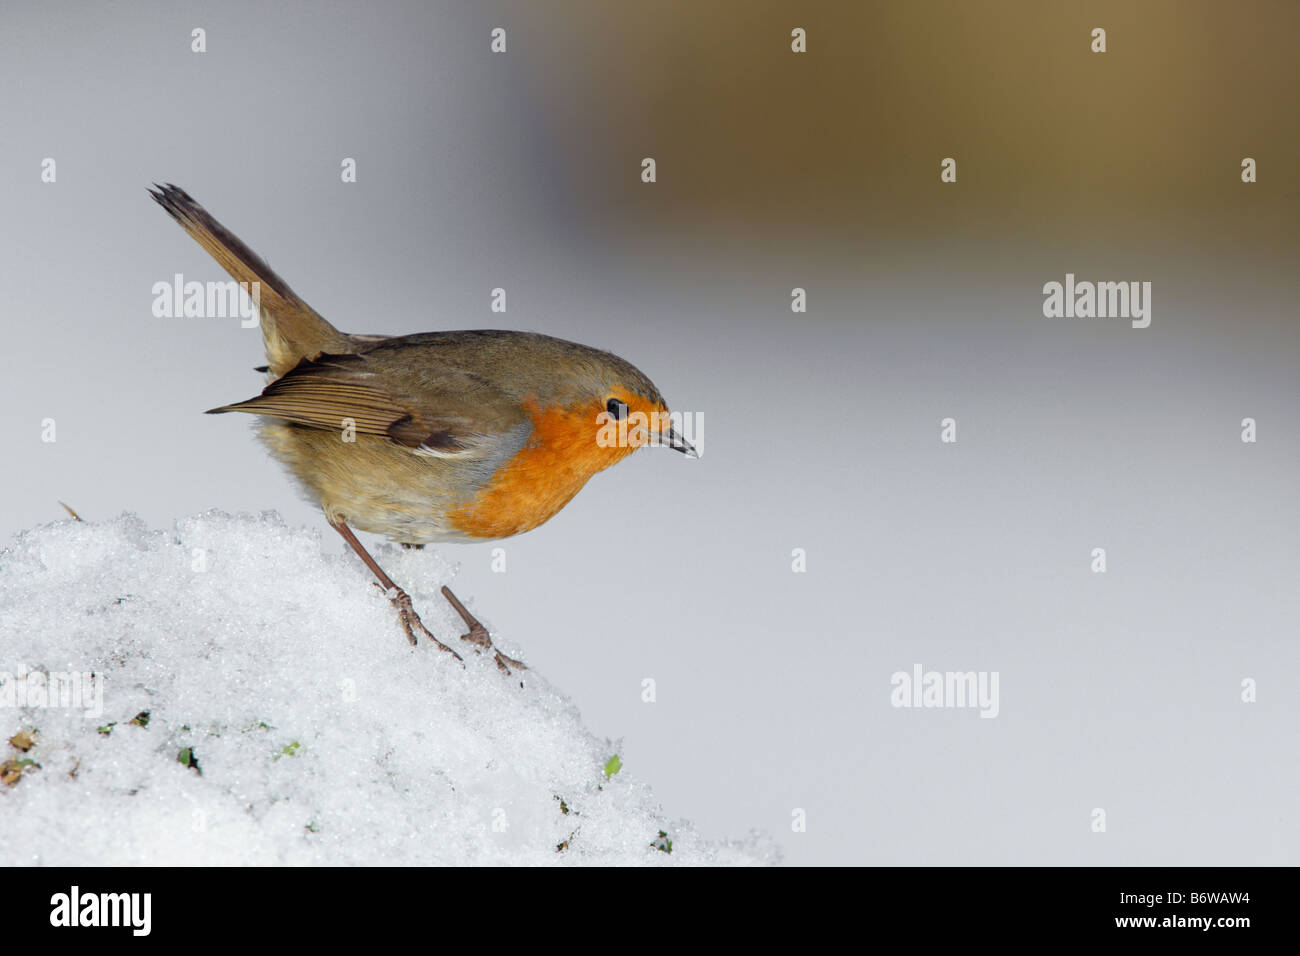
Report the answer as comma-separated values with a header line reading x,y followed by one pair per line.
x,y
293,330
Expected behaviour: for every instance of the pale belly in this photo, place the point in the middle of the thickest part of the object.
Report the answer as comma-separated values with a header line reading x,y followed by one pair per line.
x,y
373,485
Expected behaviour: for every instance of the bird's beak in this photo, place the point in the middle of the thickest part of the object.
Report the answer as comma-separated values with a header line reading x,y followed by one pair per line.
x,y
676,442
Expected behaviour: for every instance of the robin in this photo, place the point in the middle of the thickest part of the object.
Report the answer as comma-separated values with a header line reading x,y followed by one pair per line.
x,y
435,437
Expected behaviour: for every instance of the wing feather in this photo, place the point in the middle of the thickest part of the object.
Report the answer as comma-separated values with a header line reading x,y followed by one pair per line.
x,y
335,390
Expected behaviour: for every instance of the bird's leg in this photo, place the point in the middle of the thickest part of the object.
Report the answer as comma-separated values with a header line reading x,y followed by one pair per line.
x,y
478,634
401,600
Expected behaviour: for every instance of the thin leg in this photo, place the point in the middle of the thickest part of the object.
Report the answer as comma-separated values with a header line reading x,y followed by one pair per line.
x,y
478,634
401,600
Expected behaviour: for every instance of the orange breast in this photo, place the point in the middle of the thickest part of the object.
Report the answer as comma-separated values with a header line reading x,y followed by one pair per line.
x,y
542,478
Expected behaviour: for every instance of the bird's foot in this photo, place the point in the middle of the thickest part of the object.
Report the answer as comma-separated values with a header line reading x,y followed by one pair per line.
x,y
478,634
411,622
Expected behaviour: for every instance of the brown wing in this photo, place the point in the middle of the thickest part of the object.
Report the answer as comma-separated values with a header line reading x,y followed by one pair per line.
x,y
446,420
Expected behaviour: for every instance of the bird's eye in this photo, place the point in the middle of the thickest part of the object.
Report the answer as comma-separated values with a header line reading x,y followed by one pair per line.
x,y
617,409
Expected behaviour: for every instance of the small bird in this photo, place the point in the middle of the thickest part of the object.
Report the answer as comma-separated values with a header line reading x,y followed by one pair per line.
x,y
435,437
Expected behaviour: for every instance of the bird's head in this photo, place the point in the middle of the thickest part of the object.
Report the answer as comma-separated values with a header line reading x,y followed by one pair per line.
x,y
605,403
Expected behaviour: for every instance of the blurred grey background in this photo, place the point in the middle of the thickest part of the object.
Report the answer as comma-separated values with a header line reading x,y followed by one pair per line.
x,y
475,170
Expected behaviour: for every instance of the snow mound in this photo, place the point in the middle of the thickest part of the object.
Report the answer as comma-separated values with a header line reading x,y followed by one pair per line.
x,y
254,701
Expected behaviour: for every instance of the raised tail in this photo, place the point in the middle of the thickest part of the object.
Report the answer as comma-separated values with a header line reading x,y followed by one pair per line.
x,y
293,330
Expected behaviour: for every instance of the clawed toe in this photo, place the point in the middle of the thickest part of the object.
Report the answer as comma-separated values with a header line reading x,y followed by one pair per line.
x,y
411,622
478,634
506,662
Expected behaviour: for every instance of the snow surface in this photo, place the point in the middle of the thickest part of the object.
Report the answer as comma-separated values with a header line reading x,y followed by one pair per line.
x,y
320,735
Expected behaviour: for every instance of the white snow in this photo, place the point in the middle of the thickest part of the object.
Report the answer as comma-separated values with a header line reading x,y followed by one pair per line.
x,y
321,735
